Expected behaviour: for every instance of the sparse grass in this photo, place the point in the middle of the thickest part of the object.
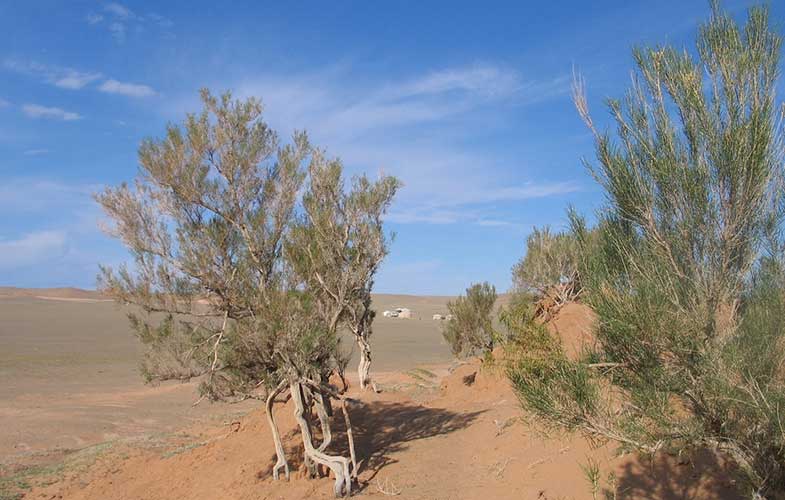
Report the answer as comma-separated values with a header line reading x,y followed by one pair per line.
x,y
424,372
22,478
182,449
15,485
422,377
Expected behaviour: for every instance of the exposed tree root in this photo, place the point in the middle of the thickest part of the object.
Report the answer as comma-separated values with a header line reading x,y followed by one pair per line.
x,y
337,464
324,419
279,450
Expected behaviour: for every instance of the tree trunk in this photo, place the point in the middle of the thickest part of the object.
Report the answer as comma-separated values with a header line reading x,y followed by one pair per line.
x,y
349,436
364,368
324,419
279,450
339,465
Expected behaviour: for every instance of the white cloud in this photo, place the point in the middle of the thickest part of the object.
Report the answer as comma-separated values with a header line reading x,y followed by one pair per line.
x,y
37,111
75,80
4,103
422,129
66,78
118,10
342,111
36,152
127,89
119,20
31,248
160,20
72,79
487,80
93,18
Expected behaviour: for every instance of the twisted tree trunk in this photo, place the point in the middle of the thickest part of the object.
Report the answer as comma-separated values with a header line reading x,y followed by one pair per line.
x,y
339,465
324,419
364,368
279,450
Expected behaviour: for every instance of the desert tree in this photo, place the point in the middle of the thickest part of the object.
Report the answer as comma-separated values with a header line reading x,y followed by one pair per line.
x,y
214,296
689,301
548,275
470,327
336,248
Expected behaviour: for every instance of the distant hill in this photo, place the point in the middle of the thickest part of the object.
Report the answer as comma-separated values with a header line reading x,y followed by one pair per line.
x,y
58,293
421,305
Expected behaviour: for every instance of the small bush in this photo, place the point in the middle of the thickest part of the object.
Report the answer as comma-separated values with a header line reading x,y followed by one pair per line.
x,y
549,274
470,330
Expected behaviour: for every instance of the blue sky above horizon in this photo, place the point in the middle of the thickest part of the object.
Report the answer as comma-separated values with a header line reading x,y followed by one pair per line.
x,y
467,103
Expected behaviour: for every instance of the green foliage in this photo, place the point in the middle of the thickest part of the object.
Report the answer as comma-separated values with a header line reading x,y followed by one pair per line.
x,y
690,332
471,327
550,259
207,222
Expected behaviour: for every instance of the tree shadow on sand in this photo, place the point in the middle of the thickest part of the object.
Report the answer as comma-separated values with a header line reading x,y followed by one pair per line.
x,y
382,429
701,475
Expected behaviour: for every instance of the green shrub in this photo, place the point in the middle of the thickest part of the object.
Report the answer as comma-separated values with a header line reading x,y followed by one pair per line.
x,y
470,329
690,338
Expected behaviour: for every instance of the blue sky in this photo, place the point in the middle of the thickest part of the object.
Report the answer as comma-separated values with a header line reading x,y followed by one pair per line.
x,y
467,103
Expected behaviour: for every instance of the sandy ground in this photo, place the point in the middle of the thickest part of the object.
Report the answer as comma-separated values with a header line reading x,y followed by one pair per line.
x,y
69,370
71,401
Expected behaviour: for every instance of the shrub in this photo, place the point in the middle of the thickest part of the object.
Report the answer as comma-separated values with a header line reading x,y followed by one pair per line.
x,y
551,259
206,223
470,329
689,336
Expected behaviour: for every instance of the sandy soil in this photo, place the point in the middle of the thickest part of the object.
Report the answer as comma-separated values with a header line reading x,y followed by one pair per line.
x,y
68,357
440,432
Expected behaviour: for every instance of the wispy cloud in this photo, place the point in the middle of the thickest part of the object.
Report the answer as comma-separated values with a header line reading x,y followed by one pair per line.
x,y
127,89
66,78
160,20
36,152
38,111
119,10
4,103
50,234
419,128
93,18
72,79
31,248
23,194
118,19
486,80
76,80
337,109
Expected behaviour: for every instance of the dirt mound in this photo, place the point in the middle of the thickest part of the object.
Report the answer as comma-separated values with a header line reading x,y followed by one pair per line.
x,y
574,324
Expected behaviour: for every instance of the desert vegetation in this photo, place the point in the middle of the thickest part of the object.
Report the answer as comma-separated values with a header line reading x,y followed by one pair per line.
x,y
470,329
548,275
238,280
684,267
